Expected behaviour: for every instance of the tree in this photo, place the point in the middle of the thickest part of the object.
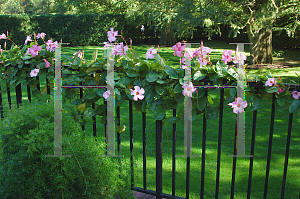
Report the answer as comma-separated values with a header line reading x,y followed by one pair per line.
x,y
258,16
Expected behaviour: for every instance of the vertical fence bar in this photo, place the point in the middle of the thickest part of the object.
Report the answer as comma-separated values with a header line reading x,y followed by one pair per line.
x,y
203,152
8,95
234,163
48,87
144,152
38,85
219,143
270,146
94,122
28,93
81,96
252,153
119,138
131,142
158,159
287,151
19,94
174,155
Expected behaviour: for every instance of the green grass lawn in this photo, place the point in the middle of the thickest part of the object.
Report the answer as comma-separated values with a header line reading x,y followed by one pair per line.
x,y
228,136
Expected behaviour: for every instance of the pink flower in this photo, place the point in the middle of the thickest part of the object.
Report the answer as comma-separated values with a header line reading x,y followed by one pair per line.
x,y
34,51
206,50
239,58
270,82
120,49
106,44
185,67
138,93
296,94
51,45
1,49
79,54
226,56
189,54
112,35
188,89
178,49
3,36
202,61
150,54
106,94
34,72
238,105
47,63
280,89
28,38
41,35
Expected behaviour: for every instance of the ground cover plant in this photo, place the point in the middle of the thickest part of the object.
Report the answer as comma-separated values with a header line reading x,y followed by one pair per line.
x,y
211,151
27,136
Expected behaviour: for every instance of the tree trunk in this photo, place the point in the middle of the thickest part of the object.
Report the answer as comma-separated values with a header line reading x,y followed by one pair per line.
x,y
167,36
261,51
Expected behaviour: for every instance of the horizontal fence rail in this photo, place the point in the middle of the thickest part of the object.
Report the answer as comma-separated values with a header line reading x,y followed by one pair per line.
x,y
158,192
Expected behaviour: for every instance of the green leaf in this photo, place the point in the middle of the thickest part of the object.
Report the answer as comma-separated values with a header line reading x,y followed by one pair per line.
x,y
144,106
158,89
280,101
100,109
92,69
210,100
199,76
143,70
173,120
201,103
160,81
152,105
150,96
295,106
160,60
256,100
118,94
128,93
171,72
151,76
179,97
232,91
159,112
132,73
211,113
272,89
178,88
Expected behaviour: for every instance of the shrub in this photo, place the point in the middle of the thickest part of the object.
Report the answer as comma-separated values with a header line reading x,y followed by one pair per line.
x,y
27,136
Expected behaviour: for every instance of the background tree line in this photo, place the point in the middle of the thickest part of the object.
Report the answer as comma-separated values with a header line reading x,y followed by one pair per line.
x,y
179,18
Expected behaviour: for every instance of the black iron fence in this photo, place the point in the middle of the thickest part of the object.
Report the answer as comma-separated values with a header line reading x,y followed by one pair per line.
x,y
158,192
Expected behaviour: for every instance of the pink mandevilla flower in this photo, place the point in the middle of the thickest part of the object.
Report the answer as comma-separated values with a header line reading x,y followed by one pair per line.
x,y
47,63
296,94
34,51
106,94
150,54
178,49
270,81
3,36
188,89
138,93
34,72
202,61
189,54
280,89
28,38
238,105
226,56
51,45
239,58
112,35
41,35
120,49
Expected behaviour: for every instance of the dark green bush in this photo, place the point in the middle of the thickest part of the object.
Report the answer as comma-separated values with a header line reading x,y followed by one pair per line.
x,y
27,135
